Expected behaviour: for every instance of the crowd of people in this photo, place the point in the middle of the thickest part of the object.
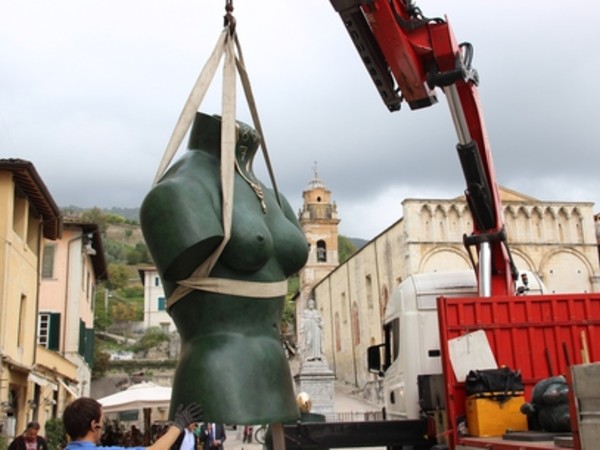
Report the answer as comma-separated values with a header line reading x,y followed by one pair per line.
x,y
117,434
83,421
84,424
207,436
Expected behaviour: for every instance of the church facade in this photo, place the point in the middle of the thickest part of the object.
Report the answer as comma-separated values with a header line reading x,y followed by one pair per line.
x,y
555,240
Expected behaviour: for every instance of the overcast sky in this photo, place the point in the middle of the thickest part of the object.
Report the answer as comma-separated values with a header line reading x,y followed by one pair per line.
x,y
90,92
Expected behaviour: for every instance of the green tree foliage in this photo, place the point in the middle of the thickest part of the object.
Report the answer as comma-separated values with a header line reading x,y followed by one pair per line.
x,y
125,311
118,276
345,248
289,308
102,318
114,251
289,315
115,219
151,338
101,360
95,215
133,292
139,254
55,434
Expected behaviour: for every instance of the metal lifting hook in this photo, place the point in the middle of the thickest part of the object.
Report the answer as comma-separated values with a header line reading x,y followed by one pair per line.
x,y
229,20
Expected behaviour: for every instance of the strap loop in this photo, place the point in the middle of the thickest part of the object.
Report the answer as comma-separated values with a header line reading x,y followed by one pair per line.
x,y
226,44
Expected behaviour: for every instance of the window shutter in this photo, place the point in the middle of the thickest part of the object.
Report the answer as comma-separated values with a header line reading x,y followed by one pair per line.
x,y
89,346
54,331
81,349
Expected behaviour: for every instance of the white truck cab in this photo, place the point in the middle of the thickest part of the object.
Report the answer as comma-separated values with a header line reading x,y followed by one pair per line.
x,y
412,344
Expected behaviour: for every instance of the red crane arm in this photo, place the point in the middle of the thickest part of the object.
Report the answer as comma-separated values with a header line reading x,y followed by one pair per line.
x,y
408,56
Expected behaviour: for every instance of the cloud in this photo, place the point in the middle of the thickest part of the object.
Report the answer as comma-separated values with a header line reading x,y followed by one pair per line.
x,y
90,93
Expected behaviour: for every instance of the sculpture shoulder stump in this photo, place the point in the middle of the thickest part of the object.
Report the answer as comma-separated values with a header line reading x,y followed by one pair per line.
x,y
232,361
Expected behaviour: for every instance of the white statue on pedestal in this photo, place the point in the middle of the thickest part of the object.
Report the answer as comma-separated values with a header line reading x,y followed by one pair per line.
x,y
311,330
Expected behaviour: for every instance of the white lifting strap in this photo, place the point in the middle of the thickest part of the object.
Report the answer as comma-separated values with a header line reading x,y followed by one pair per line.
x,y
225,45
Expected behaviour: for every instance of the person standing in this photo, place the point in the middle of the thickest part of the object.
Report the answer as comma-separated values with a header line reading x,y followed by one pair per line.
x,y
83,420
187,440
212,436
29,440
247,434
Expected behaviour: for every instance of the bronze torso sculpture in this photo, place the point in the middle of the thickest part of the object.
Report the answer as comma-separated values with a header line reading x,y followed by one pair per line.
x,y
232,361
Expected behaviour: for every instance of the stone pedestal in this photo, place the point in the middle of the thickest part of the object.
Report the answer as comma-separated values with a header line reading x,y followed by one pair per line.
x,y
318,381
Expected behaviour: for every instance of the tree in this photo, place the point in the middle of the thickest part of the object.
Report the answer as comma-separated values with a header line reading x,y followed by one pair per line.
x,y
139,254
345,248
95,215
133,293
115,218
55,434
124,311
118,276
153,337
289,308
102,318
114,251
101,361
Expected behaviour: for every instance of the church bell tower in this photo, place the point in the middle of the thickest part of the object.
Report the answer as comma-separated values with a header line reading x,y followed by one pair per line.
x,y
319,221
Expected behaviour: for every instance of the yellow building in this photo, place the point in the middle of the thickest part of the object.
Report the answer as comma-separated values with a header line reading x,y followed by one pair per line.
x,y
70,270
49,268
28,214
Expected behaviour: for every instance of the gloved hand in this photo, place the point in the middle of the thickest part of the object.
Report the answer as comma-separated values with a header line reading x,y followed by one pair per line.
x,y
185,415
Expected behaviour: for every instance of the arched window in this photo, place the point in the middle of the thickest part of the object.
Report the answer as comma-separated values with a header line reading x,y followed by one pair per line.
x,y
321,251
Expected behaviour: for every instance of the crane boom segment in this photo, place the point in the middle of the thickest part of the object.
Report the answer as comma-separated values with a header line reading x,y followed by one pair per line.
x,y
408,56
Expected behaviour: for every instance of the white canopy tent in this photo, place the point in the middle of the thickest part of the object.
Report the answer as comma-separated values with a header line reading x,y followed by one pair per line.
x,y
139,396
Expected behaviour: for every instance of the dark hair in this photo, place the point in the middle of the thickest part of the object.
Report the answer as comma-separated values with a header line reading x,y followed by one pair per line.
x,y
78,416
33,425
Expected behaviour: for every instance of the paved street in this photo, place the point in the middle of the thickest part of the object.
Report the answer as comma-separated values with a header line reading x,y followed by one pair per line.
x,y
345,402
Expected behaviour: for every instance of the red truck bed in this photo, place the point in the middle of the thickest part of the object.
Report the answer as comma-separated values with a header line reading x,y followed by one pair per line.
x,y
539,335
501,444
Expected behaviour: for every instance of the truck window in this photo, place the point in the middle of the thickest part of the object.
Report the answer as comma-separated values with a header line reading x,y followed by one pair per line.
x,y
392,341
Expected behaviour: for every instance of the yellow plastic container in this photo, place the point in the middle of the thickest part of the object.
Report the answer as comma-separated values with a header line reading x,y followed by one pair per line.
x,y
488,417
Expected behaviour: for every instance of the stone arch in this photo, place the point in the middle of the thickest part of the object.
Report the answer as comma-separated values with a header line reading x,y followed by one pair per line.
x,y
321,251
550,212
563,225
427,221
550,225
440,223
523,261
519,229
509,210
564,211
577,222
566,270
522,224
510,221
526,211
467,218
444,258
454,222
536,228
